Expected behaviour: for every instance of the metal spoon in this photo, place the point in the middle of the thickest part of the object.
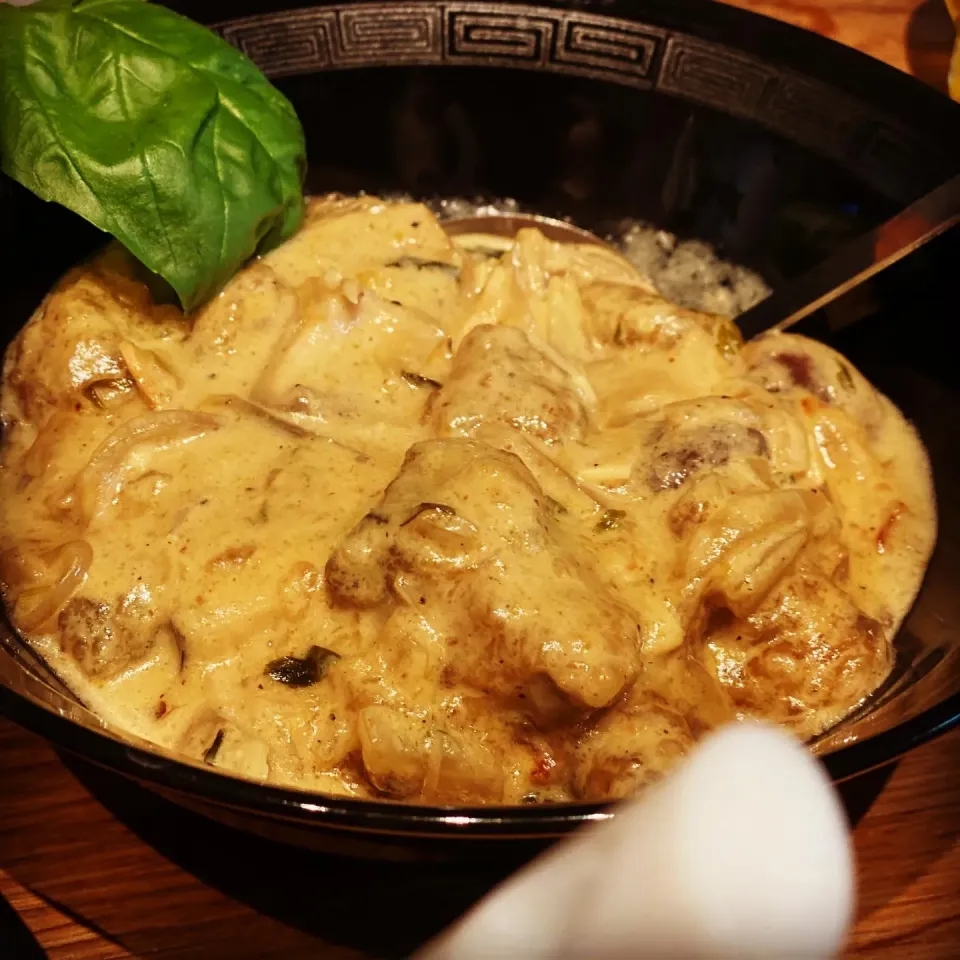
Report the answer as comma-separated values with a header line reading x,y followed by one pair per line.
x,y
854,263
509,224
865,257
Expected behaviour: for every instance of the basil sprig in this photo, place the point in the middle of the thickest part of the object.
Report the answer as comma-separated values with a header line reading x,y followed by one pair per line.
x,y
155,130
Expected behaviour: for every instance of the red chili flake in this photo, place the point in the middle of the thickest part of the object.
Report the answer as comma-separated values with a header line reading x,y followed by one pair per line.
x,y
161,708
896,513
543,771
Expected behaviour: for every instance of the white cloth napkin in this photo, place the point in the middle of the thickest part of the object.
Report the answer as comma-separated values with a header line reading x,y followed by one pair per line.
x,y
742,853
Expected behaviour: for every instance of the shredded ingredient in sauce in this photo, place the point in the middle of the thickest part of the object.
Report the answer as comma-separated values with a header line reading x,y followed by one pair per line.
x,y
447,520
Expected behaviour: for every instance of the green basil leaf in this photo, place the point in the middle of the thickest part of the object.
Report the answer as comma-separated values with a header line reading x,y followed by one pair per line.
x,y
155,130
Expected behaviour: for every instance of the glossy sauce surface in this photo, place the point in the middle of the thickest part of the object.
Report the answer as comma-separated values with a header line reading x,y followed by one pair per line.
x,y
447,521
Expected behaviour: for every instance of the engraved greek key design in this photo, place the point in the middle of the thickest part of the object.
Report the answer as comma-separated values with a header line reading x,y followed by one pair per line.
x,y
712,75
813,113
559,40
286,42
479,36
799,108
583,44
589,45
398,34
324,38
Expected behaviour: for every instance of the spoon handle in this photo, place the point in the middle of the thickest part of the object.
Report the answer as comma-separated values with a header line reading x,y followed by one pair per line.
x,y
856,262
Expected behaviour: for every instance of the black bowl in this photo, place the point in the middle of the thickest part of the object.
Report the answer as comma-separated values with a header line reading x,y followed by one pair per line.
x,y
772,144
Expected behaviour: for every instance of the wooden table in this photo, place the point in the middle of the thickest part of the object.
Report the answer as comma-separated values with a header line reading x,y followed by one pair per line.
x,y
93,869
913,35
99,870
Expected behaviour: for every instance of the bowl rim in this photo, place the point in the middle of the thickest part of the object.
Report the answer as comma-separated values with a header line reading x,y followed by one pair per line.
x,y
891,93
381,817
780,43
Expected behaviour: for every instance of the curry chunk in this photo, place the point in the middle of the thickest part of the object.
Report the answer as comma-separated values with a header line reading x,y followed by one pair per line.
x,y
467,528
499,376
810,643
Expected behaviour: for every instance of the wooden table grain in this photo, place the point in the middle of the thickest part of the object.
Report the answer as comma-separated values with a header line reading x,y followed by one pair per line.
x,y
912,35
94,869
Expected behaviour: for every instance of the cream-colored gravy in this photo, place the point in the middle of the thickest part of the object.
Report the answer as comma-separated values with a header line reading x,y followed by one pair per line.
x,y
447,520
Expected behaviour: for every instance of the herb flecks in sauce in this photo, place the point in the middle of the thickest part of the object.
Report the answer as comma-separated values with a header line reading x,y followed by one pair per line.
x,y
302,671
731,540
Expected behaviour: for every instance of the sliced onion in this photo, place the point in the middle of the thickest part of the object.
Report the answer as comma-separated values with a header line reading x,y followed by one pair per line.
x,y
104,475
21,566
37,605
233,401
153,378
40,455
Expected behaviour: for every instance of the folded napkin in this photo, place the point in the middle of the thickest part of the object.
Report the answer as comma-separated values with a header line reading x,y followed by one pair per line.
x,y
742,853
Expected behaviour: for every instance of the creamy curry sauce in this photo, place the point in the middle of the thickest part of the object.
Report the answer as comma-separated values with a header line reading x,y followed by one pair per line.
x,y
447,520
